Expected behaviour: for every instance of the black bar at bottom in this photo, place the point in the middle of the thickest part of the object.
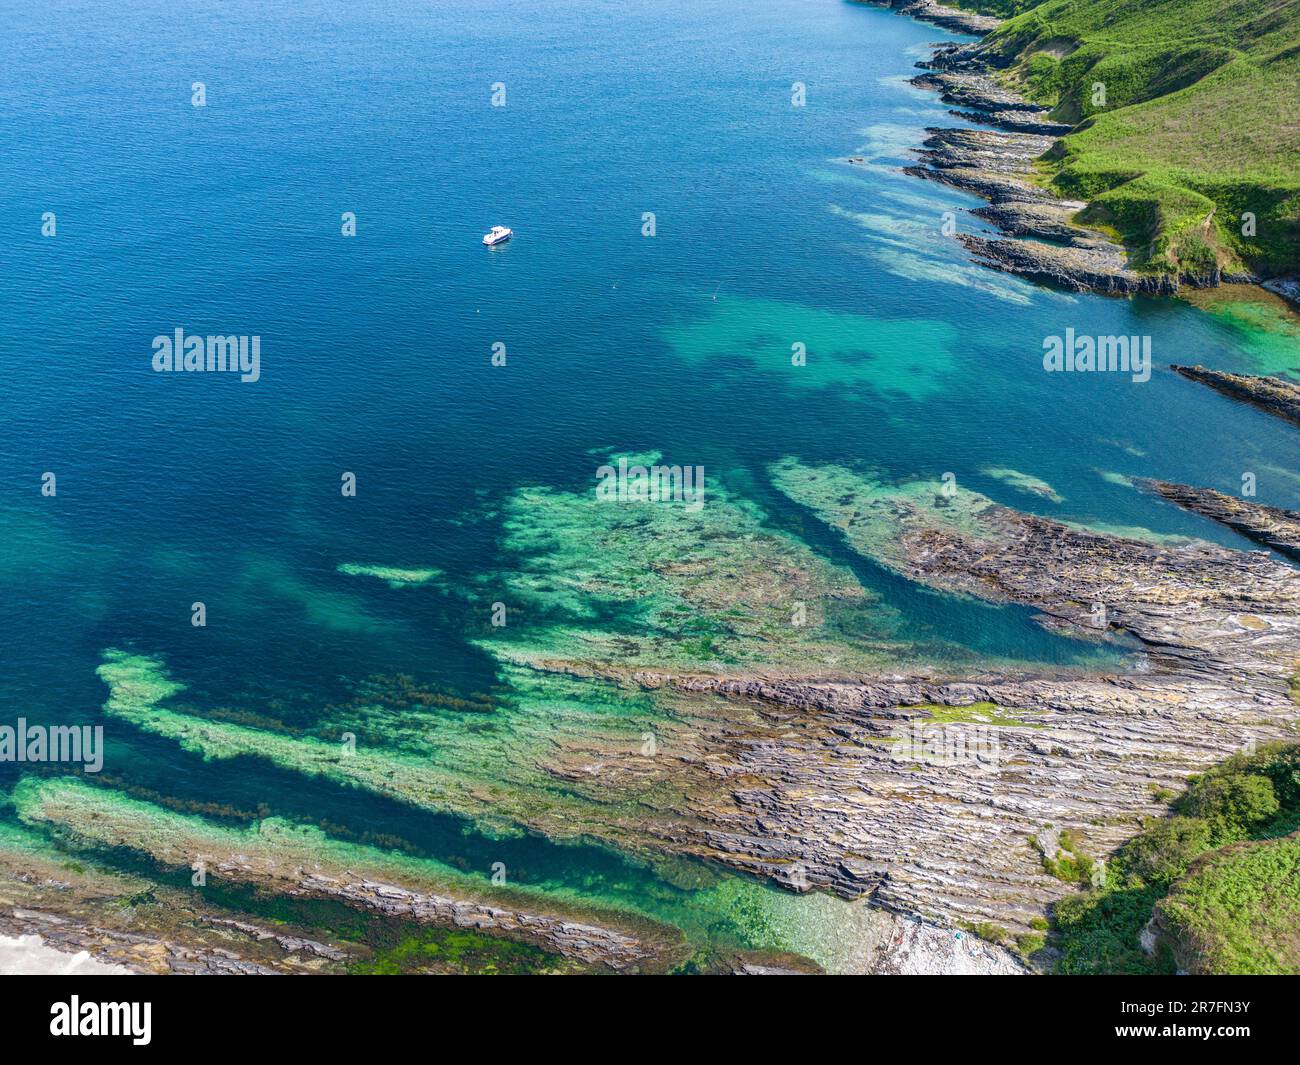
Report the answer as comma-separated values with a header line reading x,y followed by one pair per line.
x,y
333,1015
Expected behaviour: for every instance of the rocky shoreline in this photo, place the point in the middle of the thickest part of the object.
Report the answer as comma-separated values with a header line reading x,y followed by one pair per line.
x,y
101,920
1044,242
825,782
949,18
819,784
815,783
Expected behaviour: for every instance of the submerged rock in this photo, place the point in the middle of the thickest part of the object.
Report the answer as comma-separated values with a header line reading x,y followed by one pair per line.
x,y
301,862
824,783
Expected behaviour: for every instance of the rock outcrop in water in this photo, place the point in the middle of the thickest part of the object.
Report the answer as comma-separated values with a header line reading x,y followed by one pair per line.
x,y
1272,394
1271,526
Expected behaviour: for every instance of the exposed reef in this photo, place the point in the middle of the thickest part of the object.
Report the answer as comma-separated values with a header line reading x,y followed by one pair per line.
x,y
969,89
1271,526
1101,267
297,861
1273,394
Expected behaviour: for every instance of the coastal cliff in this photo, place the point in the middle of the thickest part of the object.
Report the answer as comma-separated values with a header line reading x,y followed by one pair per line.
x,y
1136,185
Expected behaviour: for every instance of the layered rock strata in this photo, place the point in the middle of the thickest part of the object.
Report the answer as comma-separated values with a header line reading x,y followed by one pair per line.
x,y
876,788
1272,394
1274,527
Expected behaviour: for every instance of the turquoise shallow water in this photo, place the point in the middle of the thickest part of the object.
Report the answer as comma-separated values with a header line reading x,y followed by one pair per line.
x,y
376,349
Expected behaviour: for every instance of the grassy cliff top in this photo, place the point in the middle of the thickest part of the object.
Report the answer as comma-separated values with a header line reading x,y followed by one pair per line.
x,y
1221,875
1187,141
1238,910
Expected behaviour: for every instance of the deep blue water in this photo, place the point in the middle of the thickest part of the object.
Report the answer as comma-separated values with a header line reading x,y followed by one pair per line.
x,y
376,348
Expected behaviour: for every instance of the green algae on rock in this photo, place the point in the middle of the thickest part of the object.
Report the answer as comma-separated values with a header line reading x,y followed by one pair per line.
x,y
645,586
977,713
574,764
874,516
75,902
301,860
1264,327
138,686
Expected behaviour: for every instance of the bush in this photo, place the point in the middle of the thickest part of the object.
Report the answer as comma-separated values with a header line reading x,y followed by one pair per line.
x,y
1028,943
1212,902
1238,911
994,933
1163,852
1234,804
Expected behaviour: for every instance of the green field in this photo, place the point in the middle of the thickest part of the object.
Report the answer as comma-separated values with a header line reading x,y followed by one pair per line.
x,y
1186,121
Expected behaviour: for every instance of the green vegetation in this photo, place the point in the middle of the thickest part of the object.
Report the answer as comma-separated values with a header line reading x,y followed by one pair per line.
x,y
987,930
981,713
1238,911
1001,8
1028,943
1222,902
1185,121
459,952
1025,944
1067,862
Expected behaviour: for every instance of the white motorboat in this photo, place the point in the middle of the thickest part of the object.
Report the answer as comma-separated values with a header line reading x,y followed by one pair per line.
x,y
497,235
